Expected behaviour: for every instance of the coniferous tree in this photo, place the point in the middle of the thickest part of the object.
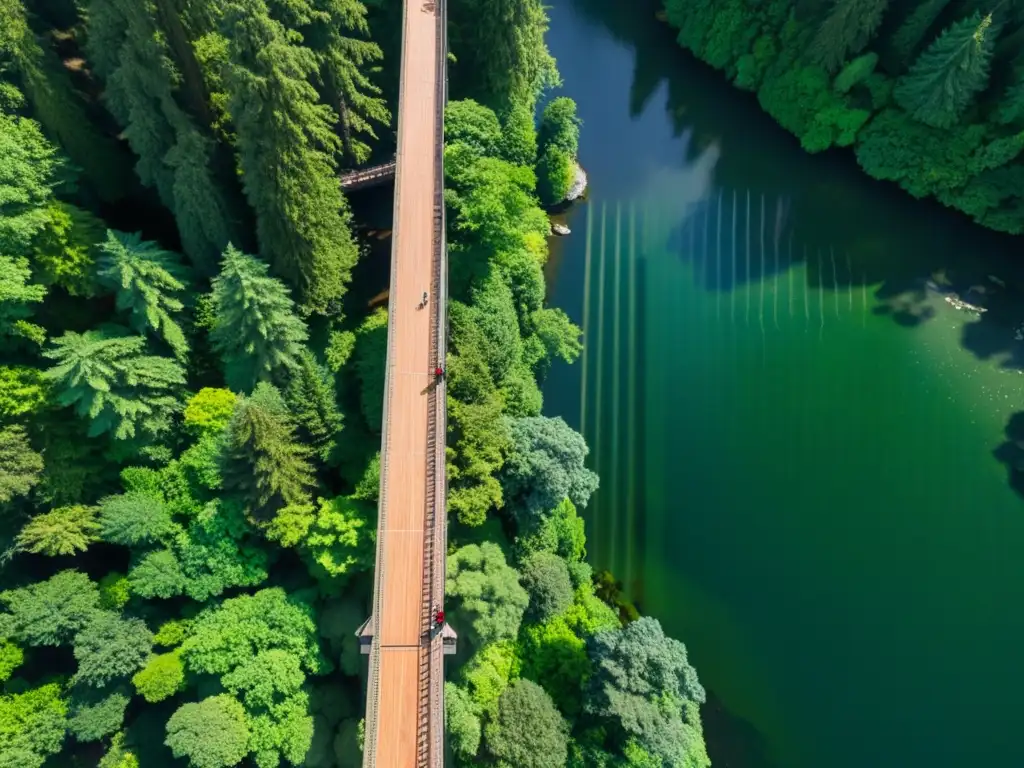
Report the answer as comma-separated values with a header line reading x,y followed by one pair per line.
x,y
1011,107
144,276
313,401
30,168
17,295
847,28
912,31
949,74
131,54
110,381
61,531
286,146
258,335
265,464
20,466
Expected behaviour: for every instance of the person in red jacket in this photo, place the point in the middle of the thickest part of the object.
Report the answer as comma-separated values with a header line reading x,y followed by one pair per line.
x,y
439,372
439,617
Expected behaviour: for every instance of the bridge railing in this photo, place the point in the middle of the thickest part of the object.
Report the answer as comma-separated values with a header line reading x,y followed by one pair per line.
x,y
367,176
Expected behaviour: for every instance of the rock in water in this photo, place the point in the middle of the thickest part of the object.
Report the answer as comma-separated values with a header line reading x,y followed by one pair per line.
x,y
579,185
560,229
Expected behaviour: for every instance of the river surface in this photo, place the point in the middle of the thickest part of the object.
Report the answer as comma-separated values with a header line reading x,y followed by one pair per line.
x,y
798,436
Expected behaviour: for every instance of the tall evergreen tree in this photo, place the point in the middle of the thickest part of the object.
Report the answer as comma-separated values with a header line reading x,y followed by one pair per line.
x,y
950,73
286,147
144,278
131,54
20,466
265,464
30,168
311,397
110,381
911,33
257,333
17,295
847,28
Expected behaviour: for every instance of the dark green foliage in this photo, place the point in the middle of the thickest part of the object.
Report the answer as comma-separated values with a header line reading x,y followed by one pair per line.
x,y
157,574
560,127
528,731
50,612
461,721
546,578
545,466
109,380
473,125
20,466
518,136
286,144
555,174
257,333
645,686
265,465
314,405
369,356
847,28
96,716
855,72
134,518
144,278
950,73
912,31
110,647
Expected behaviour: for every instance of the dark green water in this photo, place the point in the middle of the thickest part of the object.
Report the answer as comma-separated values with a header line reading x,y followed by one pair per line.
x,y
795,434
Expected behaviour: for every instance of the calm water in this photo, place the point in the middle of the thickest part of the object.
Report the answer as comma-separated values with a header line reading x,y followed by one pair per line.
x,y
795,432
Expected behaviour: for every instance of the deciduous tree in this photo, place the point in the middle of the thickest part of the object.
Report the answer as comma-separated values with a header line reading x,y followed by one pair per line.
x,y
50,612
528,731
32,725
487,592
110,647
61,531
20,466
212,733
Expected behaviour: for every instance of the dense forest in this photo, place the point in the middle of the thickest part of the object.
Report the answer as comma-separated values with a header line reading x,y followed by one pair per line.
x,y
190,408
929,93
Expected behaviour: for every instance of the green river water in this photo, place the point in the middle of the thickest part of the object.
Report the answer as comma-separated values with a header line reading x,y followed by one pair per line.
x,y
796,433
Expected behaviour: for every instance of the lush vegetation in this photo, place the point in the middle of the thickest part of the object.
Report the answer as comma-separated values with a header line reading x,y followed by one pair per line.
x,y
928,93
189,422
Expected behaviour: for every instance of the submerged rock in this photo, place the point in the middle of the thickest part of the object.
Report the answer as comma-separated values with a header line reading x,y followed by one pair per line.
x,y
579,185
560,229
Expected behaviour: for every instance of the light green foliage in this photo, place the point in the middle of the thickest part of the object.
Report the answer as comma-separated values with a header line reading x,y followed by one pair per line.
x,y
115,591
855,72
257,334
950,73
461,722
29,170
211,733
172,633
50,612
339,349
32,726
302,220
528,731
209,411
17,295
162,677
560,127
314,405
11,657
555,656
110,647
474,125
847,28
23,391
61,531
644,683
545,466
369,360
546,578
488,672
131,54
223,636
95,716
266,465
134,518
20,466
110,381
118,756
337,535
561,532
266,679
518,136
64,251
487,593
556,172
144,278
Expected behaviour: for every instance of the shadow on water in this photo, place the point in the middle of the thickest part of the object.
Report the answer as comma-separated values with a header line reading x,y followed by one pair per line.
x,y
885,238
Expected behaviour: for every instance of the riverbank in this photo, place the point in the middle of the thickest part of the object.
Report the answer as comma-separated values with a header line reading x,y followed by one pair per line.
x,y
876,85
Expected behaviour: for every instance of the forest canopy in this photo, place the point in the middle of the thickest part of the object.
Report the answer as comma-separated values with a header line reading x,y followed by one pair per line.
x,y
191,402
